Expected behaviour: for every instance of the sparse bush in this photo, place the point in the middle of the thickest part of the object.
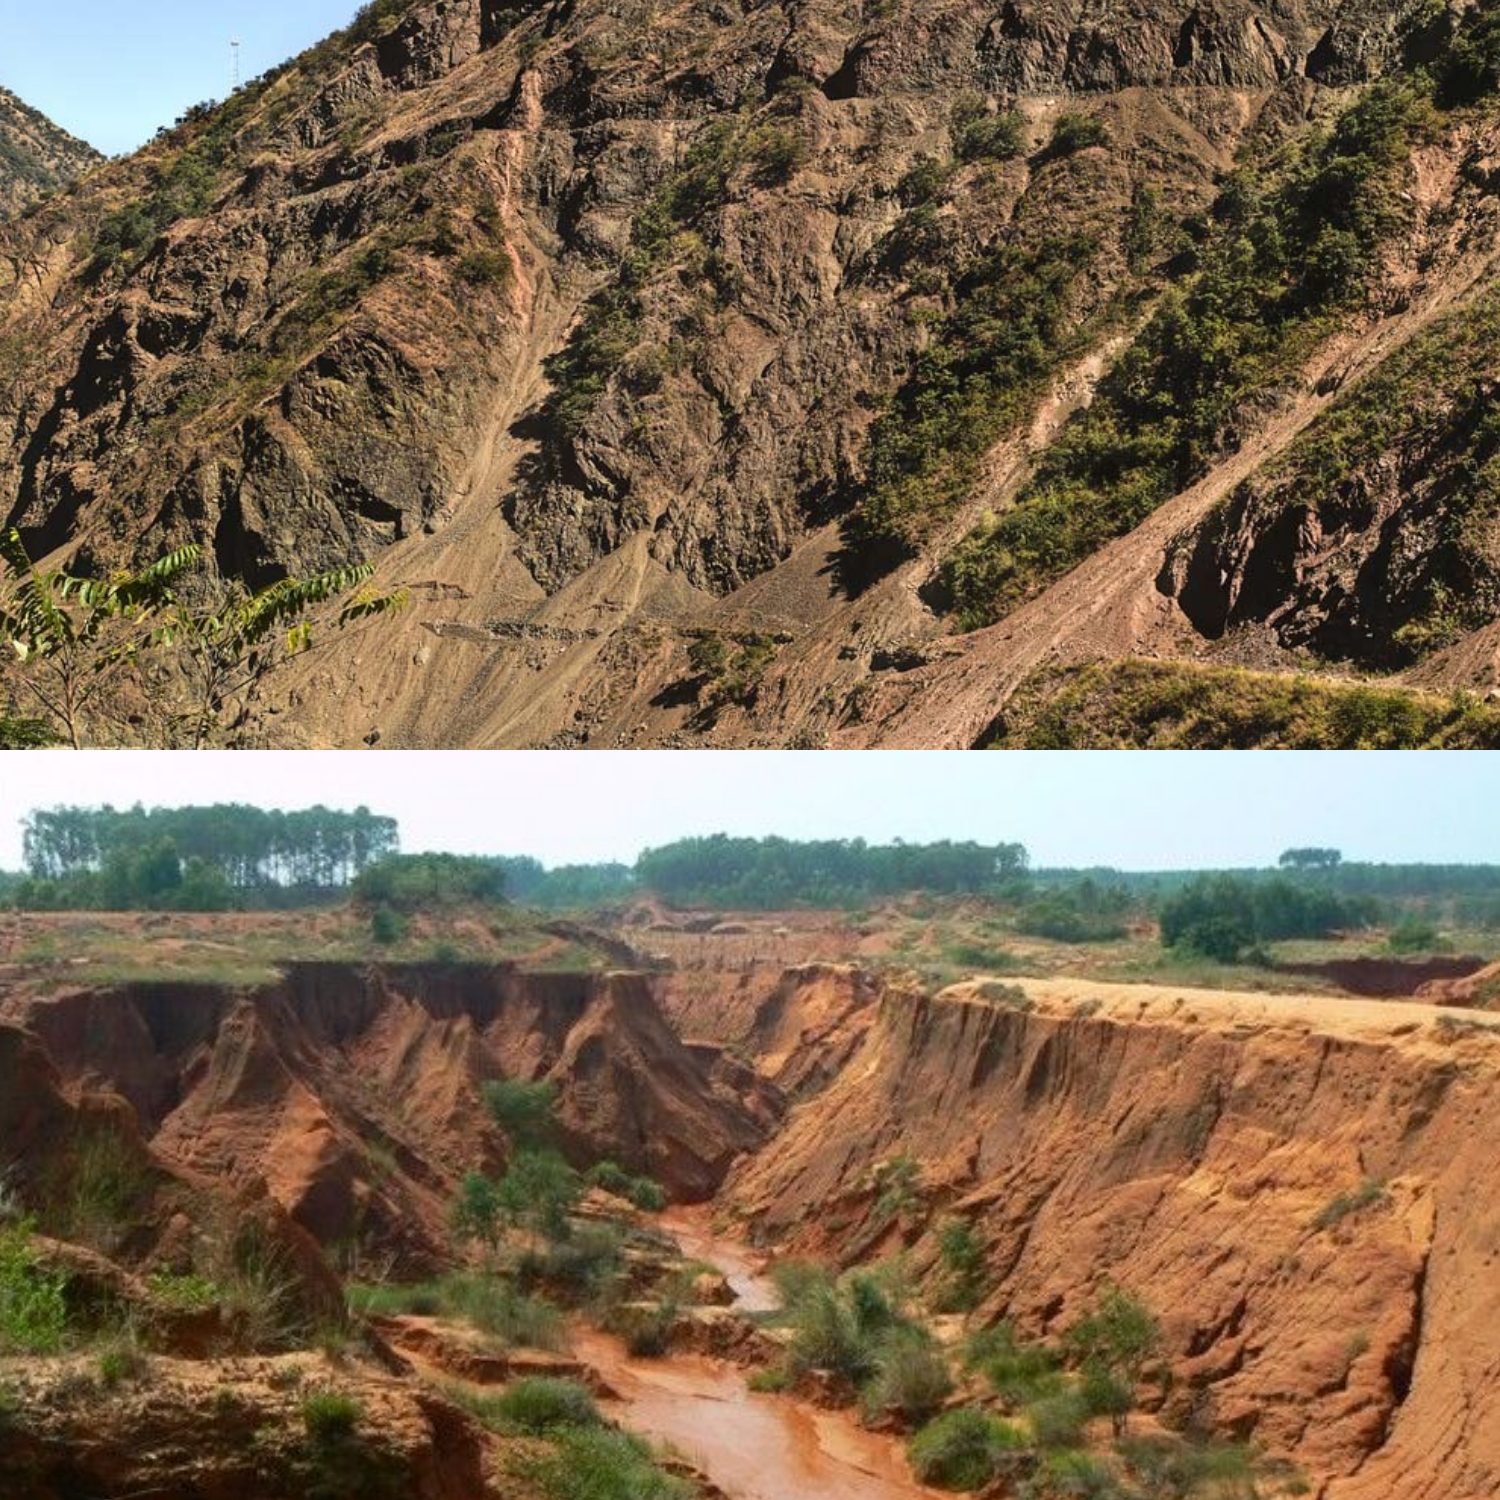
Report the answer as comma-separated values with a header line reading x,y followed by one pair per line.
x,y
476,1211
542,1406
539,1192
387,926
1369,1193
775,153
732,671
33,1309
330,1416
964,1449
826,1335
1058,1421
911,1376
525,1111
646,1328
598,1463
487,268
898,1190
1074,1476
986,137
105,1184
588,1259
962,1254
644,1193
1413,935
184,1291
1113,1342
121,1360
1075,132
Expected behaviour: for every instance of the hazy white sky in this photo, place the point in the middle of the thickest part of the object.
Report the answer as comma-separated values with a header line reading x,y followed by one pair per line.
x,y
1135,811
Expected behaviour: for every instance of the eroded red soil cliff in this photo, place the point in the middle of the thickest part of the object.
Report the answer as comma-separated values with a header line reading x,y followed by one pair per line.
x,y
1304,1189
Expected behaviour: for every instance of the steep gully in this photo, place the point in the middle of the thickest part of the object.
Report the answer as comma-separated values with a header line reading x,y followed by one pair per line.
x,y
1186,1143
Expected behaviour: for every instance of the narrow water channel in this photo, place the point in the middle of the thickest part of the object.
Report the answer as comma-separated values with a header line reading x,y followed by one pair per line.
x,y
753,1446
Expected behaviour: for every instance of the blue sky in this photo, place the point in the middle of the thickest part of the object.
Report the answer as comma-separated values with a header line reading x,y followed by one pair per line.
x,y
1134,811
112,72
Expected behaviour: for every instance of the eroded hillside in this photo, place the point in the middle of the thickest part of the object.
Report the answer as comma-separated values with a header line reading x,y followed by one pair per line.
x,y
355,1096
794,375
1295,1183
1291,1180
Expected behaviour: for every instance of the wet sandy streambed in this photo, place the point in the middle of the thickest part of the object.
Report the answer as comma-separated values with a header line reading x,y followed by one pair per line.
x,y
753,1446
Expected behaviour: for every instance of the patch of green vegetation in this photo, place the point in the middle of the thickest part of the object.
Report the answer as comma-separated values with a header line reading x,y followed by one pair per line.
x,y
898,1189
33,1305
539,1406
731,670
487,268
1152,705
387,926
1223,917
1081,913
982,372
1429,402
979,956
979,135
1413,934
1367,1195
965,1449
1076,132
429,882
598,1463
645,1328
613,321
492,1304
1293,244
961,1253
910,1380
644,1193
329,1416
121,1361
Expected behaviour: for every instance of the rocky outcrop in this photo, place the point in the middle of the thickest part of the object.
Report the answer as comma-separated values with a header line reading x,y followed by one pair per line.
x,y
1296,1185
36,156
235,1430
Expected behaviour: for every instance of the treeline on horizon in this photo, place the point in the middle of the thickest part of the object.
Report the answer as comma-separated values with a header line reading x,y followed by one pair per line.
x,y
235,857
224,857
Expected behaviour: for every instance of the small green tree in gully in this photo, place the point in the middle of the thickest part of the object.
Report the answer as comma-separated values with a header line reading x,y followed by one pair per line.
x,y
1114,1342
477,1212
526,1112
538,1192
75,638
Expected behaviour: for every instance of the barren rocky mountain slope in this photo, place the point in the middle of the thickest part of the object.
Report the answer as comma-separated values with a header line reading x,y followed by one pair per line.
x,y
36,156
904,352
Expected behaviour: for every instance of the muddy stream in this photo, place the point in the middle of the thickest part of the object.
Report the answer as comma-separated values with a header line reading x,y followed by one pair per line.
x,y
753,1446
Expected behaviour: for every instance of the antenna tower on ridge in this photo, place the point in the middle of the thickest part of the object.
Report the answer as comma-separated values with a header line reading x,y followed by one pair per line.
x,y
234,66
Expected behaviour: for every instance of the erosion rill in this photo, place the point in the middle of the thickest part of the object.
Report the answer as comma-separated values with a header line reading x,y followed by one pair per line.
x,y
1302,1188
